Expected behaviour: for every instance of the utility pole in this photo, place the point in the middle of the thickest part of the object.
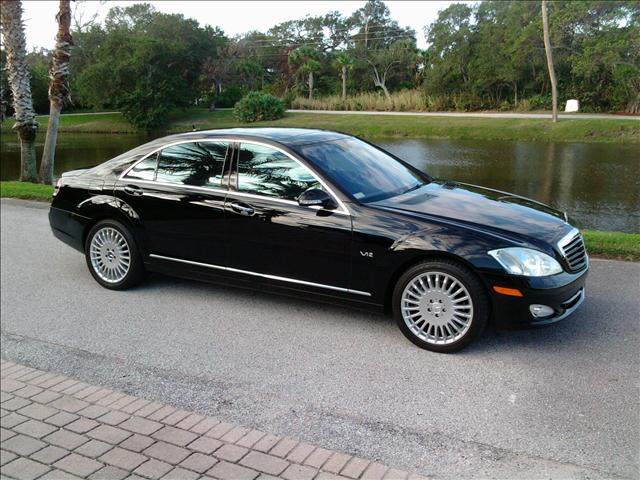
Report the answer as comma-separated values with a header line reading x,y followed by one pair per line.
x,y
552,73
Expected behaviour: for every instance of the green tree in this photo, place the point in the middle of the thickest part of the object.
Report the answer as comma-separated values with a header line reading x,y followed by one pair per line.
x,y
385,62
147,64
305,61
18,78
344,62
450,39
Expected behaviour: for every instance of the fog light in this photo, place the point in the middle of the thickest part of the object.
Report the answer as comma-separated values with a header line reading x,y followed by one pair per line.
x,y
541,311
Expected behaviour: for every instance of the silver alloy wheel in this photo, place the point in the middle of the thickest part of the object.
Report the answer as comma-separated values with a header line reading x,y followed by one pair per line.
x,y
437,308
110,255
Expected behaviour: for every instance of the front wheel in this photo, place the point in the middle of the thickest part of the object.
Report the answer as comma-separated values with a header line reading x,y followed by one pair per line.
x,y
112,256
440,305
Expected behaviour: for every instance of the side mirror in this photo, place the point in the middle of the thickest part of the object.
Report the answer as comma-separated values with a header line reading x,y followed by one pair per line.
x,y
316,197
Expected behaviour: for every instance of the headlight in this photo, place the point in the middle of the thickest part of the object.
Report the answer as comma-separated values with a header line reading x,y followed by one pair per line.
x,y
527,262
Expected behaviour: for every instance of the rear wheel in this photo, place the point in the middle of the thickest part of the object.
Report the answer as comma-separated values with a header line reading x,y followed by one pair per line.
x,y
440,305
112,256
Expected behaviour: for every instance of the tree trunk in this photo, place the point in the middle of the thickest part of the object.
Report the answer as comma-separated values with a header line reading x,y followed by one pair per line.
x,y
552,73
48,154
384,89
344,82
310,85
19,81
58,88
366,35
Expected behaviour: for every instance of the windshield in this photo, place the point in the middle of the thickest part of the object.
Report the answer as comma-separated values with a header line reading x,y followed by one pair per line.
x,y
367,173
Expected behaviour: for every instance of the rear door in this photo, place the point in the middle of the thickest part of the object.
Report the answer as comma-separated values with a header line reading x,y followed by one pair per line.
x,y
179,197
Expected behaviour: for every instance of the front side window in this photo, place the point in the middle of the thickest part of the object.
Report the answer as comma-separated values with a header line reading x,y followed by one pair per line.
x,y
366,172
145,170
199,164
265,171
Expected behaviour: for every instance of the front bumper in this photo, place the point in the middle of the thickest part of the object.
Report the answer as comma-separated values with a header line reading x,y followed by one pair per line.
x,y
564,294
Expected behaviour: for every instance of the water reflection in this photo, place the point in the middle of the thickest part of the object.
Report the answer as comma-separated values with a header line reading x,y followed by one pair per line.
x,y
598,184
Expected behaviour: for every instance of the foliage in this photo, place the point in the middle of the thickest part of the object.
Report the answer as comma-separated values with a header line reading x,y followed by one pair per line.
x,y
481,56
256,107
227,98
39,69
494,51
147,63
305,61
402,101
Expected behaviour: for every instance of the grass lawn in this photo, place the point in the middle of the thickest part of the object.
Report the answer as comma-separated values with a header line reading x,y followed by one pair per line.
x,y
622,246
617,245
378,126
26,190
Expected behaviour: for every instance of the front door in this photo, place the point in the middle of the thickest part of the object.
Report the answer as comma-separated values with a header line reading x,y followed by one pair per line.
x,y
269,234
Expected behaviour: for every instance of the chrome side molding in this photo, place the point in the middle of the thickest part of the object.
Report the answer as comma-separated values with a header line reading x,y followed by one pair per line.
x,y
262,275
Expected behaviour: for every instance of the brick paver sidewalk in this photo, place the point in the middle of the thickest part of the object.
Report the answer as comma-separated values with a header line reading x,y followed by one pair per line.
x,y
54,427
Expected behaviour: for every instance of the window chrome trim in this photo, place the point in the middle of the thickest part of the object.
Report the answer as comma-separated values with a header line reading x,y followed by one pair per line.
x,y
343,209
262,275
164,184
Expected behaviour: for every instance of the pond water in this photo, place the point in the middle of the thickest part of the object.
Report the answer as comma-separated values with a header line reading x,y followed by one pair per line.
x,y
597,184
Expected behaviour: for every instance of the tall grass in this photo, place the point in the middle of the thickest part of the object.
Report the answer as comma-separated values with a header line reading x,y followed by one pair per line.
x,y
418,100
402,101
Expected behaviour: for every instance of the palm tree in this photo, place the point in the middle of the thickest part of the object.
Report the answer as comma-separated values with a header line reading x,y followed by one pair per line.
x,y
344,61
19,81
58,88
305,61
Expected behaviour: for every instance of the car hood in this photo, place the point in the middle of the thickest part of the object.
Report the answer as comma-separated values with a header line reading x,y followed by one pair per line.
x,y
483,208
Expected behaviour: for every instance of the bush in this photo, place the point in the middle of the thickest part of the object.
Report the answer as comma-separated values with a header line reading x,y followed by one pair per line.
x,y
540,102
258,106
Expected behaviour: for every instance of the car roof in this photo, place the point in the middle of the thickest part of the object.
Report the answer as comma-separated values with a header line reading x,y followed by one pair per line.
x,y
289,137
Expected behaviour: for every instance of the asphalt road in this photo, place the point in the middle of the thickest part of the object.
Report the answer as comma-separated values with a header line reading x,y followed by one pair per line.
x,y
560,402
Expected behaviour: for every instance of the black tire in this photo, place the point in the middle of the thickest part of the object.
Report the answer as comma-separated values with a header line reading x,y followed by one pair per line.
x,y
135,272
464,276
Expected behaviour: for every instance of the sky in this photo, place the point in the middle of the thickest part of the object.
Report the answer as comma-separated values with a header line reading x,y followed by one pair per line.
x,y
233,17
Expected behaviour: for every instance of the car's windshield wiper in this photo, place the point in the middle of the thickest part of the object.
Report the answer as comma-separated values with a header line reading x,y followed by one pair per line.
x,y
415,187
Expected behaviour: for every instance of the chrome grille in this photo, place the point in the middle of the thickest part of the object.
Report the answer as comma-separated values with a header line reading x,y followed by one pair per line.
x,y
574,251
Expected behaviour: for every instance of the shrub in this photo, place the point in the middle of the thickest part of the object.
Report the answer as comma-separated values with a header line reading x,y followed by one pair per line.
x,y
258,106
540,102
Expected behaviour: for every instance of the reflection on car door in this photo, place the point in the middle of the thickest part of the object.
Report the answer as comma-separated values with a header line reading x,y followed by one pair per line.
x,y
179,197
269,233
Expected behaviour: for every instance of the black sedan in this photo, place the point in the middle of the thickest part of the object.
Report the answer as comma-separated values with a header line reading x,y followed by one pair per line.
x,y
327,216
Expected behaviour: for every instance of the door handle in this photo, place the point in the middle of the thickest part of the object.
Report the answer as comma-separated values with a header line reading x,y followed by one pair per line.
x,y
242,209
133,190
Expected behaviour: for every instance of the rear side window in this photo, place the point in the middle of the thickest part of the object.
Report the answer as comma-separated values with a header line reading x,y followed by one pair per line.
x,y
145,170
199,164
265,171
